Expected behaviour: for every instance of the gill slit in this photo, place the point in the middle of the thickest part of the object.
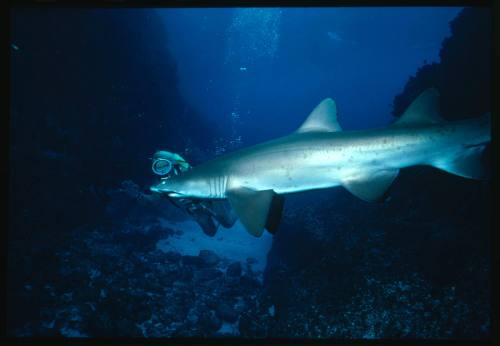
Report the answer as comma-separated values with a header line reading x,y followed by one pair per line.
x,y
215,187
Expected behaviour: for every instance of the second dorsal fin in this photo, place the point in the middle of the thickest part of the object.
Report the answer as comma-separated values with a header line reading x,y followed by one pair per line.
x,y
423,110
322,119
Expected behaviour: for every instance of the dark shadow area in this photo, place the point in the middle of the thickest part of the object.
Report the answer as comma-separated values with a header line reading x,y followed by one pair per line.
x,y
93,95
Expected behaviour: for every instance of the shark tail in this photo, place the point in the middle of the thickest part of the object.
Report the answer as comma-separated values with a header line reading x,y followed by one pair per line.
x,y
473,161
470,162
469,165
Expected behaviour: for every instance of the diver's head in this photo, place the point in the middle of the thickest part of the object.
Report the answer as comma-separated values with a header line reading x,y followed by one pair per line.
x,y
166,164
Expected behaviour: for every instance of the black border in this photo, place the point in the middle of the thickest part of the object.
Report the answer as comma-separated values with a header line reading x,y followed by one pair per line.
x,y
495,9
248,3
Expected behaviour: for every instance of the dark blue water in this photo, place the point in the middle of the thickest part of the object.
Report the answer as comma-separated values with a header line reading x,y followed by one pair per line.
x,y
293,58
95,92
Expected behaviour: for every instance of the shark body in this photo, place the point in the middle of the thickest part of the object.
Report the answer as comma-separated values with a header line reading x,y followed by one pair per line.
x,y
320,155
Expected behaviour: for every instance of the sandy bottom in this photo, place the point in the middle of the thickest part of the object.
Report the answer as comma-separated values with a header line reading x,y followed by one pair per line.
x,y
234,244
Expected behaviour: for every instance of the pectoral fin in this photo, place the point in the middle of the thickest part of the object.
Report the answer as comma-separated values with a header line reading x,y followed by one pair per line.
x,y
256,209
371,187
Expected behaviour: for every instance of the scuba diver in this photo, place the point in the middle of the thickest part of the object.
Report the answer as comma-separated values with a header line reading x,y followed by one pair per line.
x,y
209,214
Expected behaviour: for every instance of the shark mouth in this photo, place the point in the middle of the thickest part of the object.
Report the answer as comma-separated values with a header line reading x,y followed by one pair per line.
x,y
159,189
175,194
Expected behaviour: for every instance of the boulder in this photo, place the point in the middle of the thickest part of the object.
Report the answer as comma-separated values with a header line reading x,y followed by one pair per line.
x,y
234,269
250,281
206,274
192,260
209,258
125,327
226,312
210,322
173,256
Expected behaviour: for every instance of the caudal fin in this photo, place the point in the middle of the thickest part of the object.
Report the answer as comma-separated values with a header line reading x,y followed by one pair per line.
x,y
468,165
471,163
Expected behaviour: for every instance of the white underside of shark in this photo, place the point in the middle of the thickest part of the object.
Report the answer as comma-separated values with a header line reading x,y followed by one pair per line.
x,y
320,155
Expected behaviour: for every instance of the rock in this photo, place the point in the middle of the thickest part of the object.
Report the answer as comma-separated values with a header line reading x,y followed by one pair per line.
x,y
100,325
234,269
251,260
192,316
241,306
232,282
141,311
186,332
78,279
173,256
67,297
48,332
247,326
250,281
186,274
226,313
87,294
138,240
192,260
209,258
124,327
212,302
180,286
271,310
207,274
210,322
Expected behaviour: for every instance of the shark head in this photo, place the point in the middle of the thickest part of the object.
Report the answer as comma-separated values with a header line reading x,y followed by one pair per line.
x,y
181,186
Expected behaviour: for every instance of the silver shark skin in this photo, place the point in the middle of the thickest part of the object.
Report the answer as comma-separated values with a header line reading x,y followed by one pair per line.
x,y
320,155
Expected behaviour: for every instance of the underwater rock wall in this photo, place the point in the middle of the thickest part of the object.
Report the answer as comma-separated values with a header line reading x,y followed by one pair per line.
x,y
93,95
463,76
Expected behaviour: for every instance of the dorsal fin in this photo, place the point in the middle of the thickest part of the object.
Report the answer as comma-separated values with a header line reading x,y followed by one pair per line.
x,y
423,110
322,119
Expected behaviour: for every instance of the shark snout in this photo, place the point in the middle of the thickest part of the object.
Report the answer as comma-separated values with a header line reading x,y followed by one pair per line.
x,y
165,188
161,187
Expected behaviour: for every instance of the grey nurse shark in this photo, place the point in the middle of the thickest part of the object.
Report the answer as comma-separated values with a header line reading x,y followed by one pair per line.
x,y
320,155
